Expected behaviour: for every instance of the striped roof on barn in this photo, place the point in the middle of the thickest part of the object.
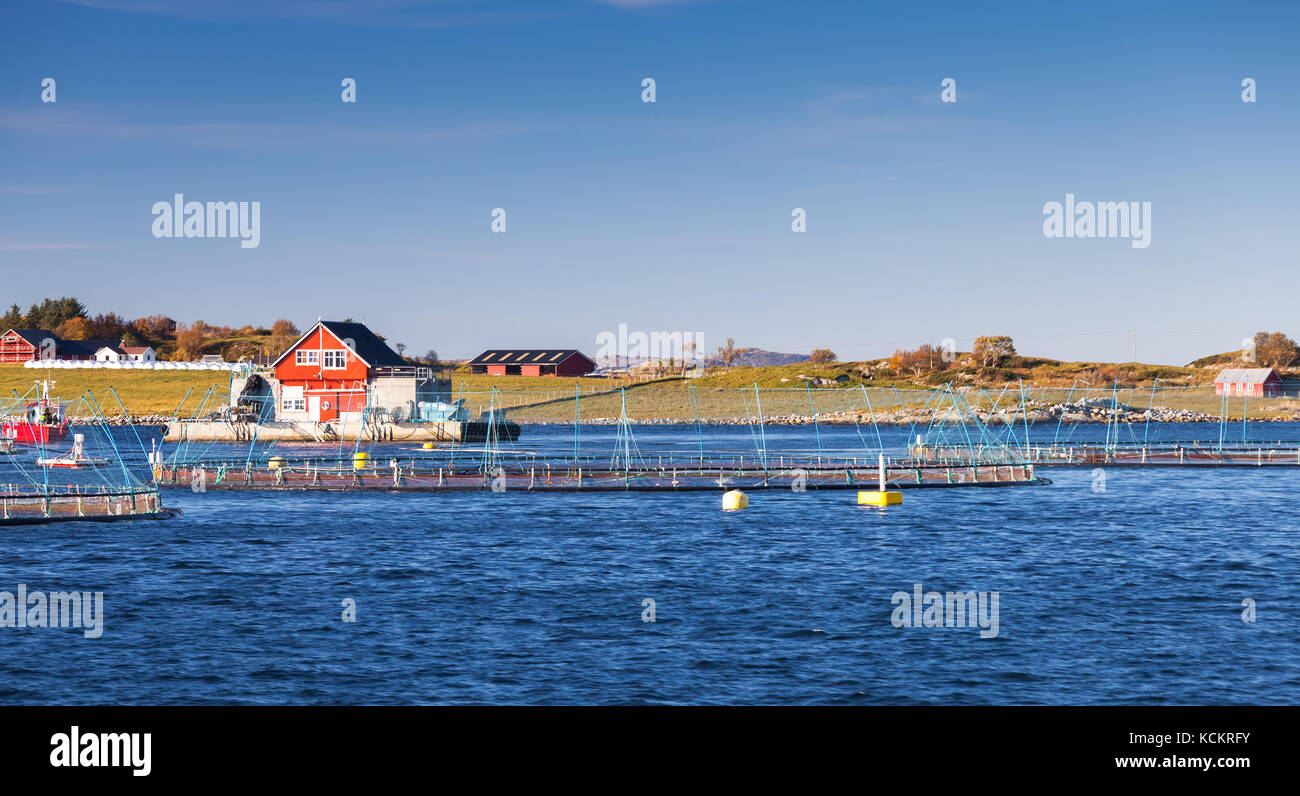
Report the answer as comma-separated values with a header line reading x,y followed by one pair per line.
x,y
1245,375
526,356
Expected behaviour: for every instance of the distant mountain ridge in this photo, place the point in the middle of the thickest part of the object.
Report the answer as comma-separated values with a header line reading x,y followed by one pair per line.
x,y
757,358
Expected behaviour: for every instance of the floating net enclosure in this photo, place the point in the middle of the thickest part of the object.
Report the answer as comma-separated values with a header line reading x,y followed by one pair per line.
x,y
64,461
620,439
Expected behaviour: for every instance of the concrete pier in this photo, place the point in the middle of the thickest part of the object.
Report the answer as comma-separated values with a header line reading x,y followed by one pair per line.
x,y
306,431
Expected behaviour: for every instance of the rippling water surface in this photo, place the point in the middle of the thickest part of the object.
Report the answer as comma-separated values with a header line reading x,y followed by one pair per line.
x,y
1131,595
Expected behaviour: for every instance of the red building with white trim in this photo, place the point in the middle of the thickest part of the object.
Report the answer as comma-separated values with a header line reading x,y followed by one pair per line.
x,y
340,370
1252,382
25,345
327,372
532,362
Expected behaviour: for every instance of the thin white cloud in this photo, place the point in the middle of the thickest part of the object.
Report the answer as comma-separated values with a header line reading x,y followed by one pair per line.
x,y
362,13
641,3
32,190
272,136
6,246
839,95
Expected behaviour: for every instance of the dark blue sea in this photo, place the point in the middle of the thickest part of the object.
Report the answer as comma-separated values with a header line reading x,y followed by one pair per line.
x,y
1130,595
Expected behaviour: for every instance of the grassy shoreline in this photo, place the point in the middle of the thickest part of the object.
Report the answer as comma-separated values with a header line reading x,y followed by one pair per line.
x,y
720,396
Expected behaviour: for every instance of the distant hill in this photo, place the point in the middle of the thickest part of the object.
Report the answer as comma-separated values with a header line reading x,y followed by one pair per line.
x,y
758,358
1217,360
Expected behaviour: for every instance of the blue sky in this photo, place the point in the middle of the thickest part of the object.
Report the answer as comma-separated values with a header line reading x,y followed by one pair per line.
x,y
924,219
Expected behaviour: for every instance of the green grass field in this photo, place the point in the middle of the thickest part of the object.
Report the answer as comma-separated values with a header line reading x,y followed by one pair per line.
x,y
143,392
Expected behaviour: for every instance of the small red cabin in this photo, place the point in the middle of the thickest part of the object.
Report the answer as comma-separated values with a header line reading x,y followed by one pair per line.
x,y
1251,382
327,371
532,362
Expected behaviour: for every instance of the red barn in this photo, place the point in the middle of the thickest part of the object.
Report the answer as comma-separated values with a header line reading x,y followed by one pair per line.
x,y
532,362
24,345
1253,382
328,371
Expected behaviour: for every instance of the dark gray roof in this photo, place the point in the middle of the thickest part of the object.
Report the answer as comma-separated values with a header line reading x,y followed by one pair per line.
x,y
366,344
527,356
87,348
35,336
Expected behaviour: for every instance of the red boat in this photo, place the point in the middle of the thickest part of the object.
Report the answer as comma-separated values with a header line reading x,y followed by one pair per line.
x,y
42,420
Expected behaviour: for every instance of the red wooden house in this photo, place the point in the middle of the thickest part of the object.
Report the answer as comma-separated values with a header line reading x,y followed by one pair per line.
x,y
329,370
1253,382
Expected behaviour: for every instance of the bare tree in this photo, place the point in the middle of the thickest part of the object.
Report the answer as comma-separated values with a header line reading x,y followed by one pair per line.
x,y
728,352
992,349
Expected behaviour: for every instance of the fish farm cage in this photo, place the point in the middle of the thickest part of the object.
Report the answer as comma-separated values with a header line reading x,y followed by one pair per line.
x,y
622,439
21,505
64,461
595,452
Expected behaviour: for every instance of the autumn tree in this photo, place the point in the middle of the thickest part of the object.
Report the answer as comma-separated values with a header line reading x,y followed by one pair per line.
x,y
283,334
727,354
75,329
108,326
190,341
822,356
991,350
153,327
925,359
1275,350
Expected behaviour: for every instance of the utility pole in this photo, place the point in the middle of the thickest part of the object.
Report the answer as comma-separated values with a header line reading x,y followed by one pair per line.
x,y
1135,346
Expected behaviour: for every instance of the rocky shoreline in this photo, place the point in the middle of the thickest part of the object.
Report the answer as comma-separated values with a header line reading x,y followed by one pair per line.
x,y
120,420
1090,411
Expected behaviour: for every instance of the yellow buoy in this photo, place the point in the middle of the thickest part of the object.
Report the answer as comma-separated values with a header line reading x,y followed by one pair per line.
x,y
275,462
879,498
734,499
359,460
427,446
882,496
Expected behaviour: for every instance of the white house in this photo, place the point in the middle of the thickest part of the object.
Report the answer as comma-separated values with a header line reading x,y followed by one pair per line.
x,y
128,353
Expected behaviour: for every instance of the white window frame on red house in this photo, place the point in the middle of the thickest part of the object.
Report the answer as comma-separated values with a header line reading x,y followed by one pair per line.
x,y
306,356
292,400
339,355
